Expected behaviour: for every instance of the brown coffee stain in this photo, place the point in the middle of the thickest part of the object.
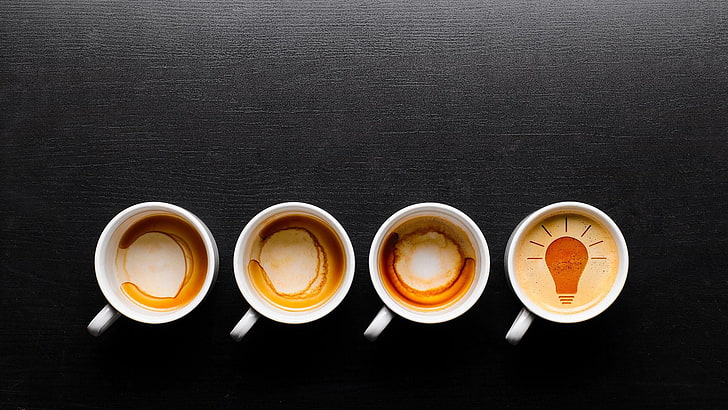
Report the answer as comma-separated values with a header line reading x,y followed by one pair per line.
x,y
315,285
193,248
329,272
435,298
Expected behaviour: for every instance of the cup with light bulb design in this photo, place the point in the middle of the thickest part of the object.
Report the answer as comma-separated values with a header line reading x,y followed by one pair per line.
x,y
566,262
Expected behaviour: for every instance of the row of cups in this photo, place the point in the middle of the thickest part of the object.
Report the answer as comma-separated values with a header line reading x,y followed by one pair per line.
x,y
119,304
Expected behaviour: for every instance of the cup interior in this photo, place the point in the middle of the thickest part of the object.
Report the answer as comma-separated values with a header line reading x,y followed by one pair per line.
x,y
105,262
477,240
544,213
243,253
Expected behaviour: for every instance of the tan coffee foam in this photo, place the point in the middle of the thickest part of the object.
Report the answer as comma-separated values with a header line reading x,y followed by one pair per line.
x,y
536,280
294,262
155,263
161,262
428,261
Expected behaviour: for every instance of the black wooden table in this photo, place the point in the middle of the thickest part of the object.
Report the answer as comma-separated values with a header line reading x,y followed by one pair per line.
x,y
362,108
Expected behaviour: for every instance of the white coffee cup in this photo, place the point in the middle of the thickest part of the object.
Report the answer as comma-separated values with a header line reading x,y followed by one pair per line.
x,y
109,282
391,305
526,315
259,305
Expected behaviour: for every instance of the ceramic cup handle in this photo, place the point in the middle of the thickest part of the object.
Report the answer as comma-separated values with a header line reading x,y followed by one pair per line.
x,y
381,320
519,326
105,318
244,325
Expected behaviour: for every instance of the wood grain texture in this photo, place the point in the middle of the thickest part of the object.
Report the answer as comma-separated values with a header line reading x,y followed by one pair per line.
x,y
497,108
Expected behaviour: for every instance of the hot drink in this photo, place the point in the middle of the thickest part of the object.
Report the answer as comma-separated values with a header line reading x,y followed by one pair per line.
x,y
566,263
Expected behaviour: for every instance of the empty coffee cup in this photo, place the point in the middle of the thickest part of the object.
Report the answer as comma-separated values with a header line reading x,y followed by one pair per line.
x,y
429,263
293,263
155,262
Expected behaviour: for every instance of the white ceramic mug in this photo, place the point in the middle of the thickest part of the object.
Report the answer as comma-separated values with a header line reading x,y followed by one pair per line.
x,y
258,304
391,305
109,282
526,315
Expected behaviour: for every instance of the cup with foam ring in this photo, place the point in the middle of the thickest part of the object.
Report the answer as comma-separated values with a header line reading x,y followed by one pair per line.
x,y
429,263
155,262
566,262
293,263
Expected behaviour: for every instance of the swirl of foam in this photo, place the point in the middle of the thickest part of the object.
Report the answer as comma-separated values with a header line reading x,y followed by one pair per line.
x,y
293,263
427,262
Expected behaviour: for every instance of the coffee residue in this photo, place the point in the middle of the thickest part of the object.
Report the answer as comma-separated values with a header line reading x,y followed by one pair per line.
x,y
192,247
283,253
427,263
296,262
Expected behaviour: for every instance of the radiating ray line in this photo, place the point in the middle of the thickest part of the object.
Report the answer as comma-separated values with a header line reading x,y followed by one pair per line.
x,y
596,243
536,243
534,258
566,224
547,231
587,229
599,257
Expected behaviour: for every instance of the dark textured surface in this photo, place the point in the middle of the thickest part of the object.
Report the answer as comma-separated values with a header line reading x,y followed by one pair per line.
x,y
497,108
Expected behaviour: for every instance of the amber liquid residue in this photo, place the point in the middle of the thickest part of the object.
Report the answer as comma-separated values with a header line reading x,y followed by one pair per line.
x,y
195,254
325,271
451,288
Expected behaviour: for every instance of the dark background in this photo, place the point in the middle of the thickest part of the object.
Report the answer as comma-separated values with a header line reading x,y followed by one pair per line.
x,y
362,108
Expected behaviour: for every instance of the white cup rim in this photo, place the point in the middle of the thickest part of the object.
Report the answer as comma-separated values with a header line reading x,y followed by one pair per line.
x,y
622,269
264,307
124,306
477,287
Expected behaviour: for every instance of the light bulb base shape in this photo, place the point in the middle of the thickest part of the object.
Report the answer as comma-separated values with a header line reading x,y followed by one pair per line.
x,y
566,299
